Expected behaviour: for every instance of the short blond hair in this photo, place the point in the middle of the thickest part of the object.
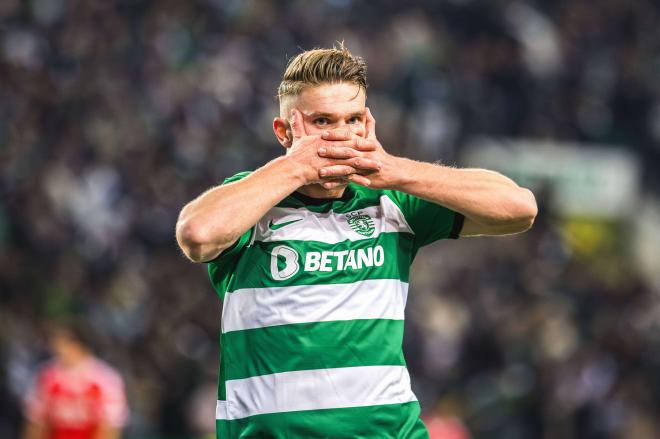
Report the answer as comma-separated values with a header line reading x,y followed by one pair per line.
x,y
320,66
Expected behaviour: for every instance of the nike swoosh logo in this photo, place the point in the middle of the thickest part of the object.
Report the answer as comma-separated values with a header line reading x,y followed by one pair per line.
x,y
272,226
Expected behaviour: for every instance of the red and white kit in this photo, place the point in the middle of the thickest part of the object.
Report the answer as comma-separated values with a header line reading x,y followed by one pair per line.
x,y
74,402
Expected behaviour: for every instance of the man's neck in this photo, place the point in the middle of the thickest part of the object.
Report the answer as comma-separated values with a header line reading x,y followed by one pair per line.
x,y
74,360
318,191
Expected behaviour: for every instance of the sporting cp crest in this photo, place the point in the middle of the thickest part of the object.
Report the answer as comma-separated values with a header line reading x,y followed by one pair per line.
x,y
361,223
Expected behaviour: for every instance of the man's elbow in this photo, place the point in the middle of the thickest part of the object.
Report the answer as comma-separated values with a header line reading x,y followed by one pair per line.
x,y
195,241
526,210
519,214
190,240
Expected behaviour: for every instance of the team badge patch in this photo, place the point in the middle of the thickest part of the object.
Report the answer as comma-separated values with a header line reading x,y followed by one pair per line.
x,y
361,223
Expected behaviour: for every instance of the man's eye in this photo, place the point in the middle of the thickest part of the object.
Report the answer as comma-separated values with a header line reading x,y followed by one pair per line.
x,y
354,120
321,121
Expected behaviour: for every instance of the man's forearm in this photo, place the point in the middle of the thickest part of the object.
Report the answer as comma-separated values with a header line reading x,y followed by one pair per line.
x,y
215,219
485,197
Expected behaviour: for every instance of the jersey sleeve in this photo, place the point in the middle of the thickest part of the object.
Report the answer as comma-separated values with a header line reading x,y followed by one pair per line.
x,y
429,221
35,402
113,406
243,240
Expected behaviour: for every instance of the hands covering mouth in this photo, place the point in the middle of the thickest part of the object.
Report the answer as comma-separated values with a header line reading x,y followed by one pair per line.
x,y
336,157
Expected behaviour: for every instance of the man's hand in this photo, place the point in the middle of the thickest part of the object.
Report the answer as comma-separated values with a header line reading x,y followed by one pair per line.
x,y
307,152
367,150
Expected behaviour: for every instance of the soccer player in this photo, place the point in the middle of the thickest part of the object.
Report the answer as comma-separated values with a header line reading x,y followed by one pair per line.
x,y
76,396
311,257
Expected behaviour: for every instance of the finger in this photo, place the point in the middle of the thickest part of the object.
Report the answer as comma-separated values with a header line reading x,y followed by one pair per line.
x,y
331,184
365,145
370,125
362,144
359,179
297,124
364,164
336,171
339,152
355,144
338,135
358,143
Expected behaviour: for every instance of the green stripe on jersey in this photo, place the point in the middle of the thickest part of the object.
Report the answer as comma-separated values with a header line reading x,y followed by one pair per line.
x,y
363,197
371,422
253,269
308,346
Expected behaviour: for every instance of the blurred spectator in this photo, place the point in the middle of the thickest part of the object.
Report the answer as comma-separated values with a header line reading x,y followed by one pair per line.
x,y
76,396
445,428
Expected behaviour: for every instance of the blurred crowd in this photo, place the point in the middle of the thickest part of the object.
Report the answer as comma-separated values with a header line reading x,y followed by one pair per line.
x,y
114,114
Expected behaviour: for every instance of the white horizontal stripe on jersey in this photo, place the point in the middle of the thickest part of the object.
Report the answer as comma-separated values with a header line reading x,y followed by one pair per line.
x,y
261,307
314,390
329,227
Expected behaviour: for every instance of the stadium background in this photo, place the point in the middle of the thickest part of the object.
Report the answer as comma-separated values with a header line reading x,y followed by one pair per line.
x,y
116,113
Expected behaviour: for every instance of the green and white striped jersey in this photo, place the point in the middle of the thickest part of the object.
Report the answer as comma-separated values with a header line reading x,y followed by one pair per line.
x,y
312,320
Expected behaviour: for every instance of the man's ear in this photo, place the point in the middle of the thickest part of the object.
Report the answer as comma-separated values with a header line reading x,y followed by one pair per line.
x,y
282,129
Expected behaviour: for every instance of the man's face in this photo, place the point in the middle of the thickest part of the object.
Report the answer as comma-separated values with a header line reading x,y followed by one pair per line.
x,y
65,347
328,107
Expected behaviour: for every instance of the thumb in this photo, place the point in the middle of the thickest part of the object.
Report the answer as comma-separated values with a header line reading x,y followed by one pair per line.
x,y
370,125
297,124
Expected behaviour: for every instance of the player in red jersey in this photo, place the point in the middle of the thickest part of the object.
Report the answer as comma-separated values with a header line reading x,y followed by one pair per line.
x,y
76,395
